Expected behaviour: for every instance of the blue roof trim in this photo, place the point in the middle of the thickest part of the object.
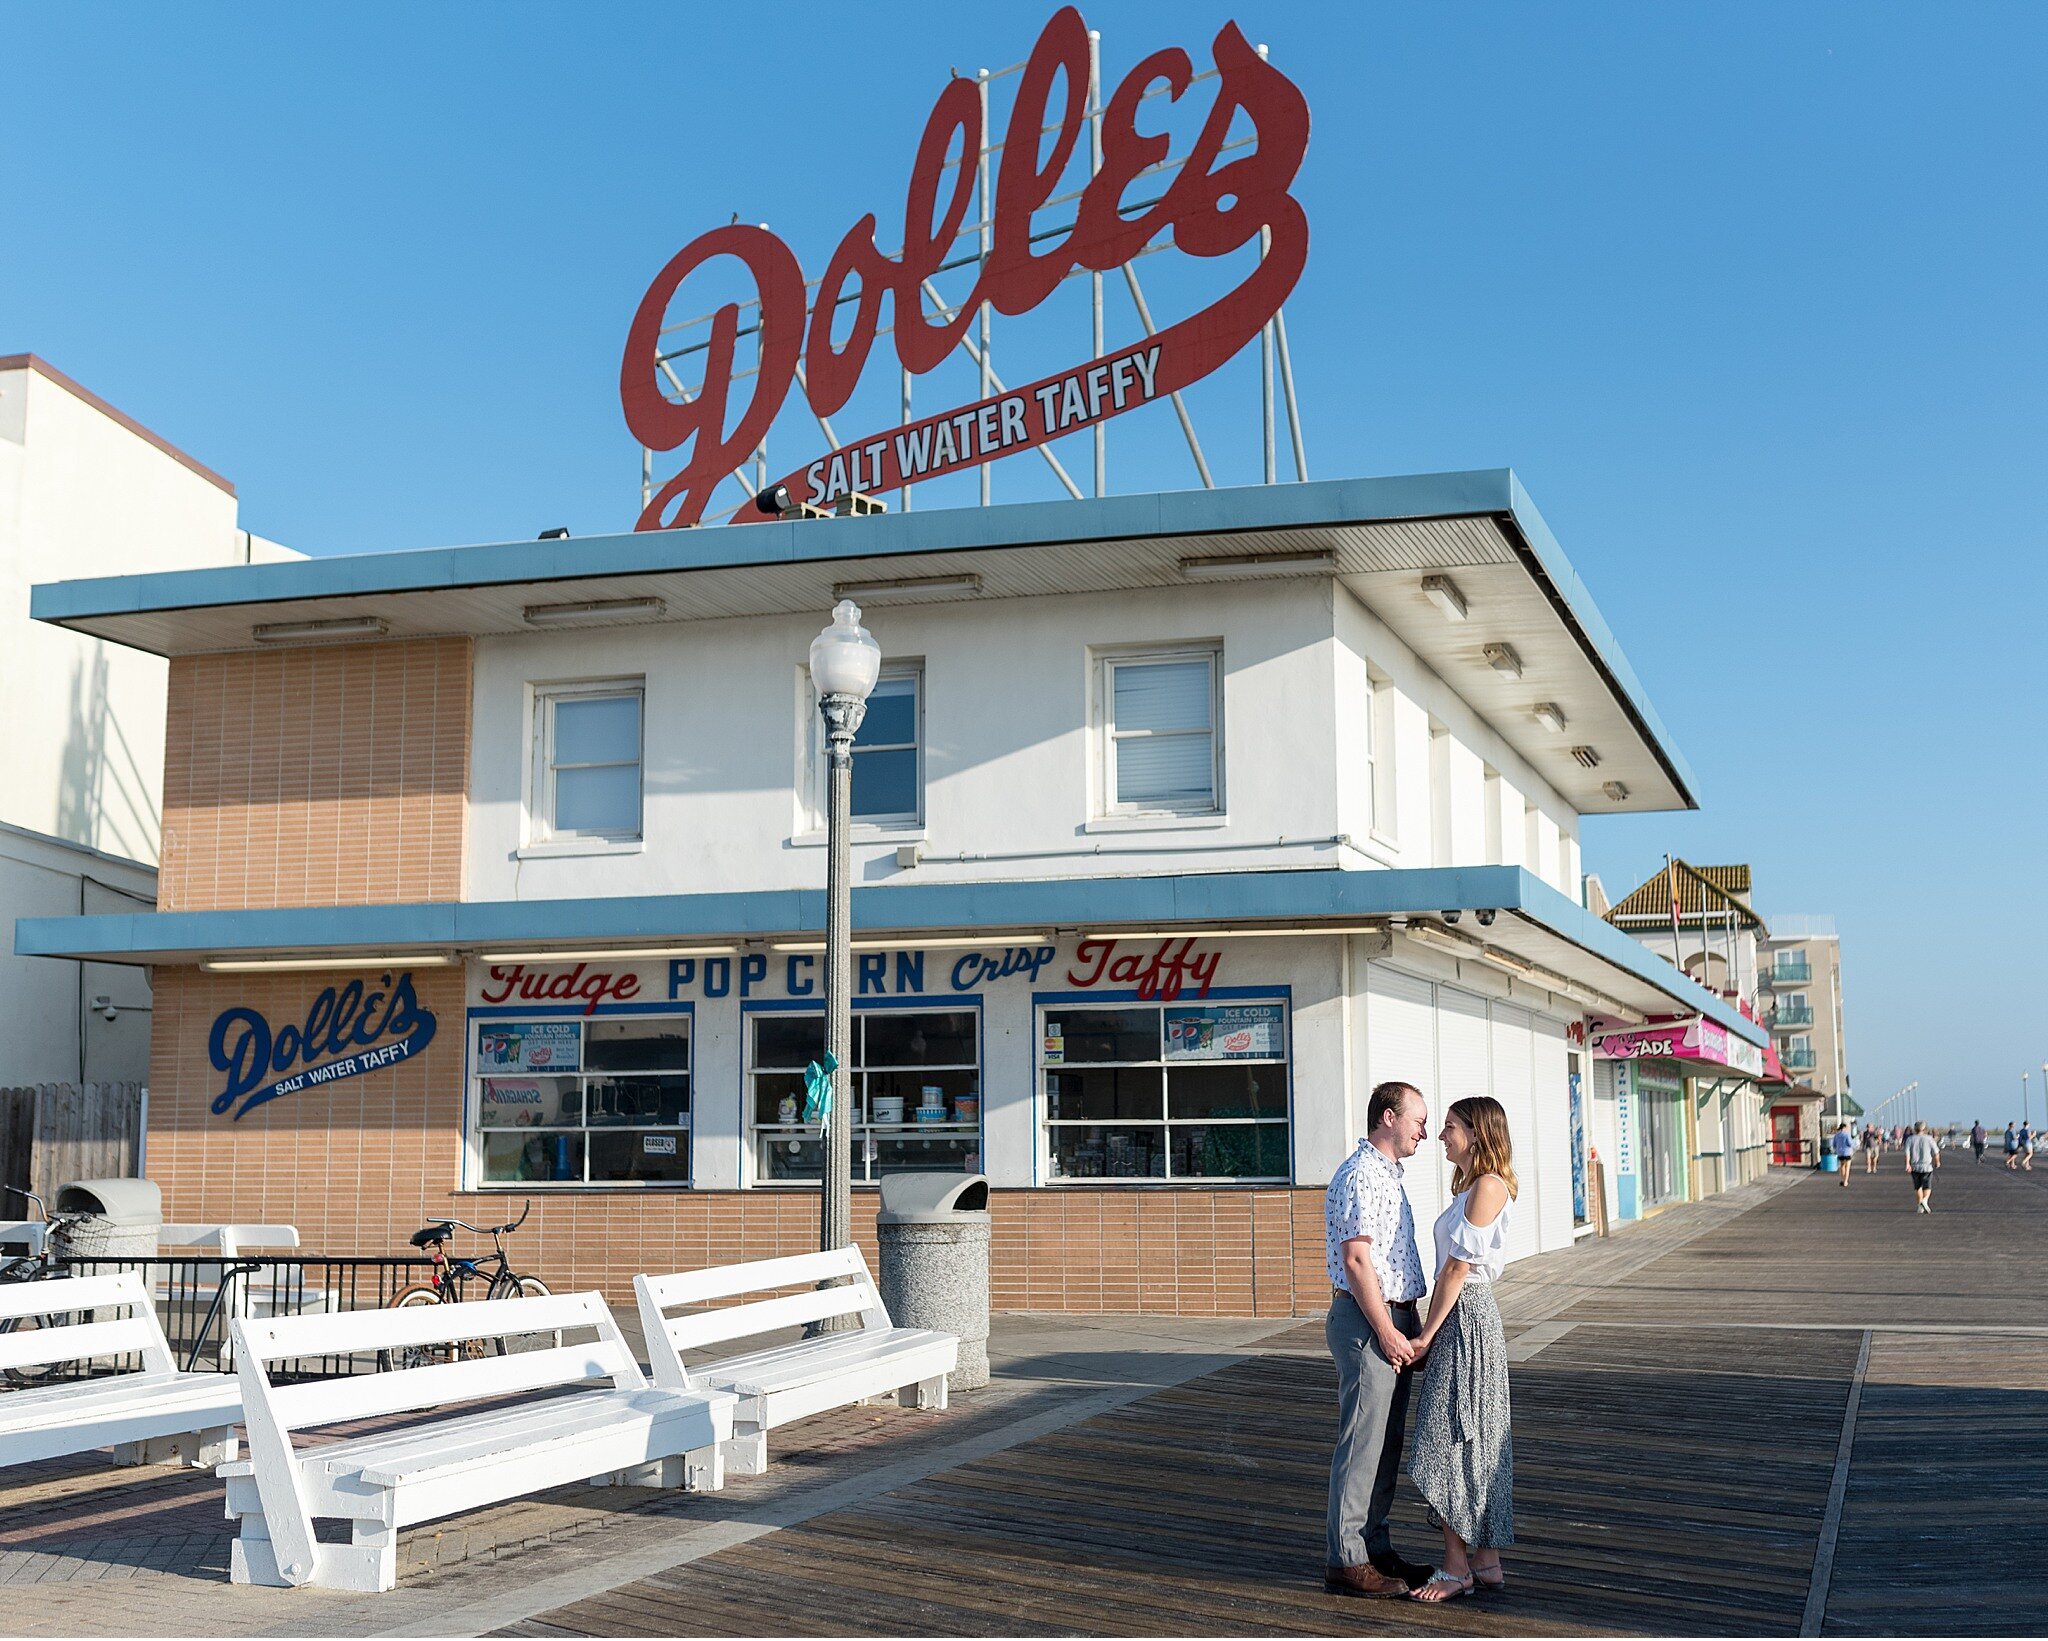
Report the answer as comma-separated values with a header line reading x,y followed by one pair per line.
x,y
883,535
1489,492
1196,899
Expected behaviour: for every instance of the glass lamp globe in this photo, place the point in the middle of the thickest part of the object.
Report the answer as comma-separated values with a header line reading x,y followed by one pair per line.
x,y
845,658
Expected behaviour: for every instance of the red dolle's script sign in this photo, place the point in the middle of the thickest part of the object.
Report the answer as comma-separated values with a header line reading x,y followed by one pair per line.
x,y
1210,210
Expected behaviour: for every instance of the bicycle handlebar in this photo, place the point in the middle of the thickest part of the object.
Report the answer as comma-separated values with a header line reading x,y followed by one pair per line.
x,y
43,1210
490,1230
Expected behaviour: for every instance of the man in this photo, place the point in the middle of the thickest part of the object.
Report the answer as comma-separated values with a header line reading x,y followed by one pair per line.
x,y
1923,1156
2012,1148
1843,1144
1376,1273
1870,1148
1977,1140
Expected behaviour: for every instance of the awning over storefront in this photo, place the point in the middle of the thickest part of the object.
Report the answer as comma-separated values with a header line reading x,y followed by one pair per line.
x,y
1529,932
1699,1042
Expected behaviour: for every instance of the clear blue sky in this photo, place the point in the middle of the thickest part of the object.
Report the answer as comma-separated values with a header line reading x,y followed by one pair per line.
x,y
1752,298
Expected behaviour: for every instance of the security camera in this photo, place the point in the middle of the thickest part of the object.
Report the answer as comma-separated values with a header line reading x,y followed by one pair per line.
x,y
1452,914
1486,917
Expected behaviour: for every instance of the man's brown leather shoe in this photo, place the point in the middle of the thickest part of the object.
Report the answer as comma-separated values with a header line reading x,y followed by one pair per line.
x,y
1364,1579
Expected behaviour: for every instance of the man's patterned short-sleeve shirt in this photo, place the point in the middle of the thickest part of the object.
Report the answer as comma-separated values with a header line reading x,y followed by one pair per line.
x,y
1367,1199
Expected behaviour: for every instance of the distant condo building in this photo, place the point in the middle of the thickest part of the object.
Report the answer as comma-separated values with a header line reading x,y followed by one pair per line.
x,y
1800,967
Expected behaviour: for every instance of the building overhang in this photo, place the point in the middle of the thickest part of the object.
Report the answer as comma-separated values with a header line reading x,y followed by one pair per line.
x,y
1379,537
1534,936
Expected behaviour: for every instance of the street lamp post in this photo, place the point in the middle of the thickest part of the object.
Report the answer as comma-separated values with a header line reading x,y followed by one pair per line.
x,y
845,660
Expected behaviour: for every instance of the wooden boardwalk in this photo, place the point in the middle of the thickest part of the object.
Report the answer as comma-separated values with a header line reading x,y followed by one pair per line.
x,y
1821,1414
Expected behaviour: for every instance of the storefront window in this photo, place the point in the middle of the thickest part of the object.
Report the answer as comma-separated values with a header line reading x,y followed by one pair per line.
x,y
1166,1091
916,1085
583,1101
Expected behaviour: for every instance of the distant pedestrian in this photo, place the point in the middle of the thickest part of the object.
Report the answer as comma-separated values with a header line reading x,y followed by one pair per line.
x,y
1872,1144
2012,1147
1376,1272
1464,1459
1843,1145
1977,1140
2026,1148
1923,1156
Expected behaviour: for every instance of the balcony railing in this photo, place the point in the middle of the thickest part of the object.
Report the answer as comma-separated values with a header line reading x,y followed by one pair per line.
x,y
1786,972
1800,1059
1792,1014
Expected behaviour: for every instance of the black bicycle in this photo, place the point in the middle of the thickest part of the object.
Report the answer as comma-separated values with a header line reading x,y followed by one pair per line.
x,y
449,1284
41,1265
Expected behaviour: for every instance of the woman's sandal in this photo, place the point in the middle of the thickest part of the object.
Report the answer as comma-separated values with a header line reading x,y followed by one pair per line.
x,y
1498,1581
1451,1587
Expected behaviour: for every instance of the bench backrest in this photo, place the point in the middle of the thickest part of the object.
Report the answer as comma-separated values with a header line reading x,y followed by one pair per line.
x,y
669,1336
231,1240
72,1325
289,1407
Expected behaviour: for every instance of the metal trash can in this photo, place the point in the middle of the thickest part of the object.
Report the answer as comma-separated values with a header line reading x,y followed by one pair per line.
x,y
934,1231
123,1218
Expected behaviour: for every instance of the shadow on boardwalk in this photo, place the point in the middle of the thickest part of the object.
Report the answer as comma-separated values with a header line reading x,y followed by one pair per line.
x,y
1678,1426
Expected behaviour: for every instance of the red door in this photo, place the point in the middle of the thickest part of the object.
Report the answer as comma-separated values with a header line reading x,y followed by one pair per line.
x,y
1788,1150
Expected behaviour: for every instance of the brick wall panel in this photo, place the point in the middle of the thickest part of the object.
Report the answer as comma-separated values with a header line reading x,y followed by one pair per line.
x,y
316,777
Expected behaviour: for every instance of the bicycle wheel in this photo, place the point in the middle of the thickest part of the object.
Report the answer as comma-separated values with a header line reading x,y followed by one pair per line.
x,y
38,1373
412,1356
523,1287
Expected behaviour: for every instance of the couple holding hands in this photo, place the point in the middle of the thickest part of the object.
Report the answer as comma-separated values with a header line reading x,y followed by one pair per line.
x,y
1463,1462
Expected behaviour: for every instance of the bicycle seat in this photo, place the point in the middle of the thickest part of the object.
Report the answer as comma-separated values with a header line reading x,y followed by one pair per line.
x,y
430,1235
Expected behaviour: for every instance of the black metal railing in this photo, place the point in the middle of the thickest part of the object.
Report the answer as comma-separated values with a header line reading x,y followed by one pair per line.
x,y
197,1296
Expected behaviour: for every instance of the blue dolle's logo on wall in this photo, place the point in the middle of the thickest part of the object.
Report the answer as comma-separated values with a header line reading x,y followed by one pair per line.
x,y
348,1032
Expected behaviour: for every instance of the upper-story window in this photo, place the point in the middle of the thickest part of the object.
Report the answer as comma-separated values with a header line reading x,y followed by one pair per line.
x,y
1162,752
587,761
888,752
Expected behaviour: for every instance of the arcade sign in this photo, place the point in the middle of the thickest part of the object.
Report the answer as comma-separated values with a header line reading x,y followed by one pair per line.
x,y
1210,210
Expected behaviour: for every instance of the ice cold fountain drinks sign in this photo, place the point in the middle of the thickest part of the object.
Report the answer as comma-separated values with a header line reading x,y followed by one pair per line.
x,y
1210,209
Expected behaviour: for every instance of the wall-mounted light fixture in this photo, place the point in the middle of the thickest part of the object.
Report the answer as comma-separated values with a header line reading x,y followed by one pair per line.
x,y
340,960
319,632
1616,792
1236,566
1444,594
591,610
921,586
1550,715
1503,659
617,954
1586,757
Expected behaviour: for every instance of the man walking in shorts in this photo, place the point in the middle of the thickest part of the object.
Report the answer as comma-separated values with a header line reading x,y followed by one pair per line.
x,y
2012,1147
1923,1156
1977,1140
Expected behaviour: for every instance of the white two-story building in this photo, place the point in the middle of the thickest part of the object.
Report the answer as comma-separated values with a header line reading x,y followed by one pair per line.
x,y
1182,820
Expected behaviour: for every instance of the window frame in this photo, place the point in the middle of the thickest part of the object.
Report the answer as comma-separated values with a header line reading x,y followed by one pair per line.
x,y
865,1132
1044,1124
542,765
479,1020
813,744
1386,793
1107,661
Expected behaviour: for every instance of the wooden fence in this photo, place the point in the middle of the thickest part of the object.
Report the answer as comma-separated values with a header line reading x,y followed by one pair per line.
x,y
53,1133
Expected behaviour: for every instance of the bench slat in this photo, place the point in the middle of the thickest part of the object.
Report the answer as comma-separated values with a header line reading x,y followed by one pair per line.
x,y
343,1333
756,1276
441,1450
817,1362
121,1396
80,1342
71,1293
366,1395
702,1328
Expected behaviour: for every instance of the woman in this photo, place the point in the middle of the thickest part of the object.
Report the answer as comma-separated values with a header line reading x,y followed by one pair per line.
x,y
1463,1463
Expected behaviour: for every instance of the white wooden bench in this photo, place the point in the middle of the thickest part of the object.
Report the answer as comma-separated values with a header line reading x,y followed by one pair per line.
x,y
152,1415
790,1381
395,1477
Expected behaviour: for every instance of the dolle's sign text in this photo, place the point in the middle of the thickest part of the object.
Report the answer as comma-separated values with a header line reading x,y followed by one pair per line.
x,y
368,1028
1210,210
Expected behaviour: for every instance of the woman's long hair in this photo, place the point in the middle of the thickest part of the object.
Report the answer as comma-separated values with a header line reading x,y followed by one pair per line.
x,y
1493,1149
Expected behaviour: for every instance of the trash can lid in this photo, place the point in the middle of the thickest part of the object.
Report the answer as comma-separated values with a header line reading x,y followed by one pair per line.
x,y
119,1201
930,1199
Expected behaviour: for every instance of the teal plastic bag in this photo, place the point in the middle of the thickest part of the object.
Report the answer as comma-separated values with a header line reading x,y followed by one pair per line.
x,y
818,1088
